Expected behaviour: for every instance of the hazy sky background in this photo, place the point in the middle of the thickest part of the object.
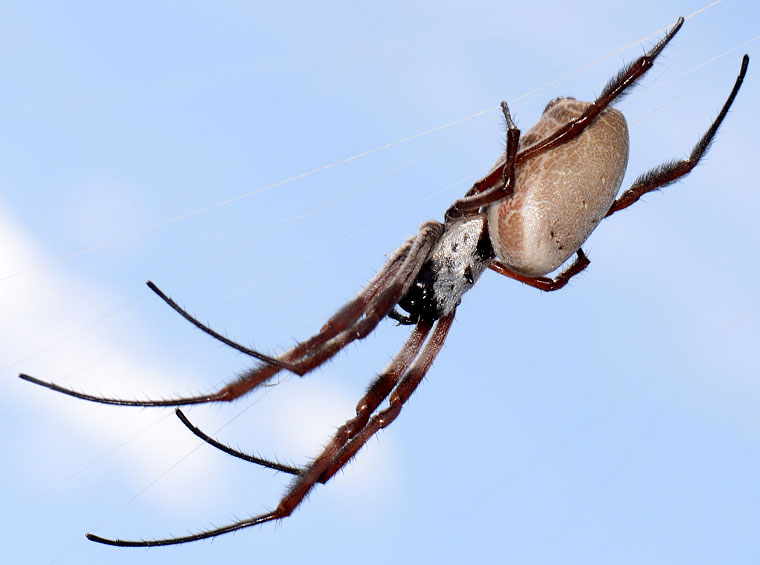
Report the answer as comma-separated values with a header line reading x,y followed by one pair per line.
x,y
616,421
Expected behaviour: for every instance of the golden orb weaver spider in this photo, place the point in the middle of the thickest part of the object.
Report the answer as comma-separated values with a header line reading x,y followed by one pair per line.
x,y
524,219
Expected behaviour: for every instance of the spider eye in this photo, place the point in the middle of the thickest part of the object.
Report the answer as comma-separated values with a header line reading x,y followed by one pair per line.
x,y
554,102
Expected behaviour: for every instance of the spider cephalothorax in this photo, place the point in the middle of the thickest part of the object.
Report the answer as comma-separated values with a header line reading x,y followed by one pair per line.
x,y
524,219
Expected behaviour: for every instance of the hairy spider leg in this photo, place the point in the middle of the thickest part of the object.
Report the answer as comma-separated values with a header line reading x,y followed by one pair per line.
x,y
615,88
216,335
667,173
376,393
347,440
354,321
499,190
544,283
399,396
268,463
342,319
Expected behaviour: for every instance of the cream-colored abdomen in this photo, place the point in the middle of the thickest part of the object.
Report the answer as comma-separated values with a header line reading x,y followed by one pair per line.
x,y
560,196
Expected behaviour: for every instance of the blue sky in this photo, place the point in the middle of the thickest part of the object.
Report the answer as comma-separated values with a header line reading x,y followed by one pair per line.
x,y
615,421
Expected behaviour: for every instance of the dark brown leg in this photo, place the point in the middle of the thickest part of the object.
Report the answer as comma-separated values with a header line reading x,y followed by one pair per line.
x,y
400,395
667,173
337,452
544,283
626,78
386,290
376,394
615,88
374,312
341,320
504,188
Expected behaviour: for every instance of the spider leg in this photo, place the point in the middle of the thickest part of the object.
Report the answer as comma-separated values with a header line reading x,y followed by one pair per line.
x,y
668,173
544,283
376,393
615,88
349,437
382,386
346,316
626,78
372,304
374,312
399,396
216,335
473,202
275,465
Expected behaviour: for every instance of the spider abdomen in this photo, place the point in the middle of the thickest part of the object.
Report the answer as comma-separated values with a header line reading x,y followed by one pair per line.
x,y
560,195
453,266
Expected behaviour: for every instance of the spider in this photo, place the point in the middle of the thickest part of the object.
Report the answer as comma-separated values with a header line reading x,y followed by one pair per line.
x,y
524,219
